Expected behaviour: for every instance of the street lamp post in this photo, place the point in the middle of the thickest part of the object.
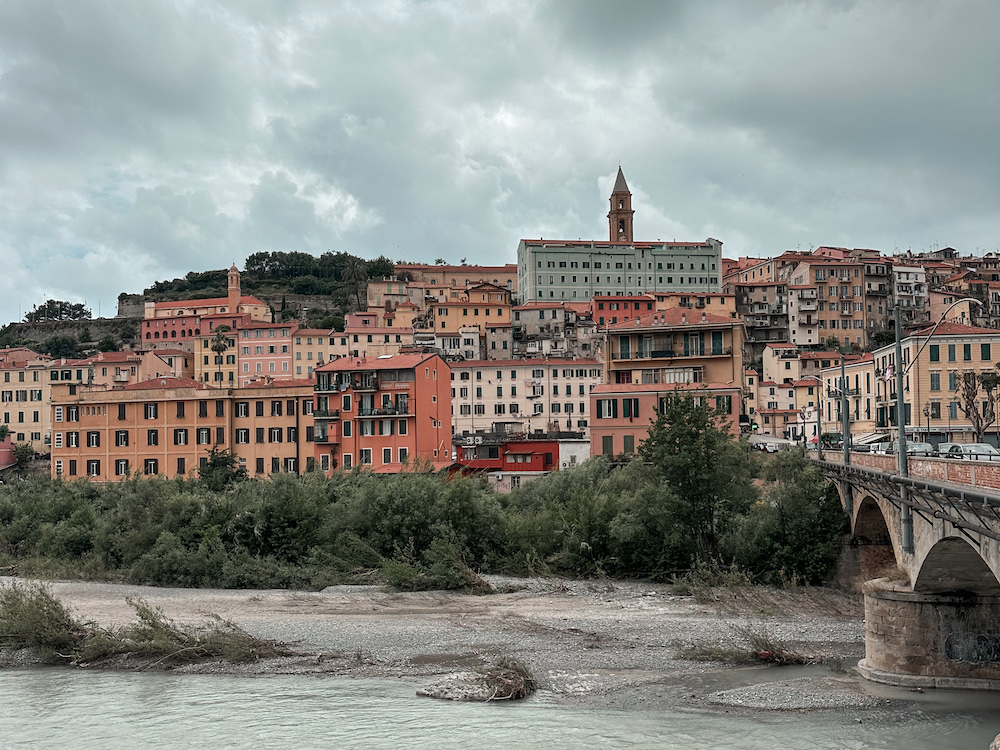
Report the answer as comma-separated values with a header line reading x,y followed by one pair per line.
x,y
907,514
927,414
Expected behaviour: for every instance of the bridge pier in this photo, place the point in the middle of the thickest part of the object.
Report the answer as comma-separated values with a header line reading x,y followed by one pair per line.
x,y
931,638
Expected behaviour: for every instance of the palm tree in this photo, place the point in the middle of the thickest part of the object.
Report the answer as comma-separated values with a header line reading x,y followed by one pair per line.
x,y
355,274
220,345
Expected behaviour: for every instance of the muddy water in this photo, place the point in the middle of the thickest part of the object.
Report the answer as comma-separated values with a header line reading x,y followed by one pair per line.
x,y
57,708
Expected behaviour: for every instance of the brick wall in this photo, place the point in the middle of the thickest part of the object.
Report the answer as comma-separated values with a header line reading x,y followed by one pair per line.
x,y
973,473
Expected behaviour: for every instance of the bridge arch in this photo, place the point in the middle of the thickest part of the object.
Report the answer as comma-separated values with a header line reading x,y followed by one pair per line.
x,y
872,538
953,565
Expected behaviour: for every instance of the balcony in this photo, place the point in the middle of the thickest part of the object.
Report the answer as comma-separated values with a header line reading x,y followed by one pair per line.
x,y
326,413
670,353
836,392
327,434
365,383
808,307
386,411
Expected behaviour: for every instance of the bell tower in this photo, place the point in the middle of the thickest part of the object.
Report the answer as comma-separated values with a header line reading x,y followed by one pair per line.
x,y
620,215
235,294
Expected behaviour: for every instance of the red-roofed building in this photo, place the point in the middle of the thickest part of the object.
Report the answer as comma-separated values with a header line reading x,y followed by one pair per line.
x,y
176,324
623,412
675,346
384,414
168,426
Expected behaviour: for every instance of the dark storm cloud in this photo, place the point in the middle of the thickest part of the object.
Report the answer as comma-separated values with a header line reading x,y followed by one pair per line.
x,y
142,140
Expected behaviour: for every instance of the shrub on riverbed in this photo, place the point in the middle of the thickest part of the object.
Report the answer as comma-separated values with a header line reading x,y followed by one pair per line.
x,y
32,618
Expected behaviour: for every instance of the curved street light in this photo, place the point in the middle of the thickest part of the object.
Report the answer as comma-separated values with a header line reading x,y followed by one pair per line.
x,y
907,516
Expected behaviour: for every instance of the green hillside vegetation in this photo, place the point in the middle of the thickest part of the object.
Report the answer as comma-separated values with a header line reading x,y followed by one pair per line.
x,y
656,519
340,276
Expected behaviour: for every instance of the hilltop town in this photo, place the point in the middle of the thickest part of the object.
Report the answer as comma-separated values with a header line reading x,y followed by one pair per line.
x,y
518,370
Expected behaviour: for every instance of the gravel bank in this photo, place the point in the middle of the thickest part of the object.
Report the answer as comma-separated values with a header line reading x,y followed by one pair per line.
x,y
614,644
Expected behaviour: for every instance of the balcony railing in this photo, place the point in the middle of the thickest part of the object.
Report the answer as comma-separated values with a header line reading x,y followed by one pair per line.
x,y
326,413
327,436
671,353
386,411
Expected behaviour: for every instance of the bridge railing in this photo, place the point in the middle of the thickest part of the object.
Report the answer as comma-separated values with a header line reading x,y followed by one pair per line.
x,y
971,473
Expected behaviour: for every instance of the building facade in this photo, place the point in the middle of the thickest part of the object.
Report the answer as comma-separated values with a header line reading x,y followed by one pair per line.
x,y
383,414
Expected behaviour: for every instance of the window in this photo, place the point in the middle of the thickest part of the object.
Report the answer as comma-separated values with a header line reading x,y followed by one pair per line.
x,y
181,465
93,440
180,410
121,467
984,352
204,436
404,455
93,468
259,466
387,455
348,461
242,408
275,408
121,413
935,352
242,436
274,435
967,352
365,456
151,411
259,435
121,438
180,436
607,408
152,437
935,381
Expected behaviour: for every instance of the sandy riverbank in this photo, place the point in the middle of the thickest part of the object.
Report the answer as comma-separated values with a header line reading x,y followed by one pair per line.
x,y
618,644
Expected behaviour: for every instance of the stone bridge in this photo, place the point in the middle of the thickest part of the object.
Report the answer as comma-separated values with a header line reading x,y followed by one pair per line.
x,y
928,549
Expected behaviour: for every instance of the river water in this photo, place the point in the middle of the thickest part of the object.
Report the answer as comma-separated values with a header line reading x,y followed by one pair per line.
x,y
61,708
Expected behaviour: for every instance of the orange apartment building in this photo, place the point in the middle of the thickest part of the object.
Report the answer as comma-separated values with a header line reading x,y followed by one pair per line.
x,y
383,414
272,426
168,426
649,357
158,427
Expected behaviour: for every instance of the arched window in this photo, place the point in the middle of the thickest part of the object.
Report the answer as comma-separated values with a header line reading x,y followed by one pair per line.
x,y
148,336
156,335
183,333
173,334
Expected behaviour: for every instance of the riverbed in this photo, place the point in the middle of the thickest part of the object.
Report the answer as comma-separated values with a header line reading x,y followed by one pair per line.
x,y
610,659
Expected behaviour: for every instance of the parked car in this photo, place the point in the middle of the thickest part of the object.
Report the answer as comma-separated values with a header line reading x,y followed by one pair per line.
x,y
912,448
974,452
944,448
919,449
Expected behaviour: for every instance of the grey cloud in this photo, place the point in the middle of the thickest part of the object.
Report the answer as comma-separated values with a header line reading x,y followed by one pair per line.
x,y
188,135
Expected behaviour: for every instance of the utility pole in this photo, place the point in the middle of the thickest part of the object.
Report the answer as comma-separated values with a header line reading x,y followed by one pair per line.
x,y
907,515
819,422
845,419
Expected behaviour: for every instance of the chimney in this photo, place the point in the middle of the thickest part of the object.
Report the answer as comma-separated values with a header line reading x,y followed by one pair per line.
x,y
703,317
684,317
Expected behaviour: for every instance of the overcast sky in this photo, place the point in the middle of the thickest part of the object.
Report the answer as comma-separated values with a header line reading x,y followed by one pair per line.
x,y
143,140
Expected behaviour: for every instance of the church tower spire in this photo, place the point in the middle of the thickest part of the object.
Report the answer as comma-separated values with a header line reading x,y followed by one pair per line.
x,y
620,215
235,294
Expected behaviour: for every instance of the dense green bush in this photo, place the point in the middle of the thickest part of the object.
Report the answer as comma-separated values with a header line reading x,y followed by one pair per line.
x,y
653,518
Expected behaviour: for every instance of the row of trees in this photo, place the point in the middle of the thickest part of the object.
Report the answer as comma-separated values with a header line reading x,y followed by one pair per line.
x,y
689,500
